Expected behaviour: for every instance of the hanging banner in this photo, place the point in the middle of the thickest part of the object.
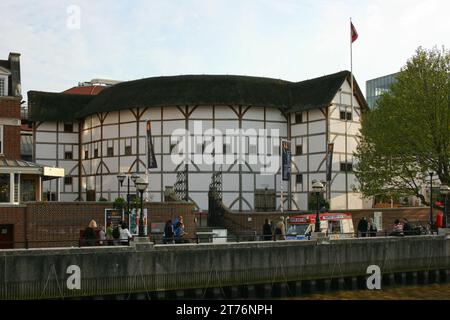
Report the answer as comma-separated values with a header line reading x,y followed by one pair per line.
x,y
286,160
151,159
329,160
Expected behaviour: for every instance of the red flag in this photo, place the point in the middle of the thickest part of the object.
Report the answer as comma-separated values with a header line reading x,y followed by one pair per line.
x,y
353,32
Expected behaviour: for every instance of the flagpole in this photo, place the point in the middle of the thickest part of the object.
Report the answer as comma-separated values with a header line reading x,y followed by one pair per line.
x,y
351,62
351,110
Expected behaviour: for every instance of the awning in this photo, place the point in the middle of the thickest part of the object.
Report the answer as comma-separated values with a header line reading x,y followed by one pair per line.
x,y
26,167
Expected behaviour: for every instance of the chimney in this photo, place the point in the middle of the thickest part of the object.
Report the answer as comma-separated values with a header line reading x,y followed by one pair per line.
x,y
14,66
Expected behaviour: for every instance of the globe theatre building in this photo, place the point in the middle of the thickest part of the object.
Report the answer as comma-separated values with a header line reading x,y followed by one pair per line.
x,y
96,137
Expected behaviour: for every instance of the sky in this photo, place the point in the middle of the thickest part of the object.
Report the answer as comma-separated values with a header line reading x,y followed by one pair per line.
x,y
65,42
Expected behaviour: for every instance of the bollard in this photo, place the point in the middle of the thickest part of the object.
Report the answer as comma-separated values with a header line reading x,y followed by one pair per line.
x,y
437,276
298,287
283,289
341,284
161,295
447,276
217,294
120,297
141,296
312,286
251,292
179,294
327,285
425,277
234,293
391,280
414,278
403,281
267,291
198,293
354,283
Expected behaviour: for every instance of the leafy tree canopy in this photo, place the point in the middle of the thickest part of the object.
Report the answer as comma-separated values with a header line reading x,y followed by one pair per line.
x,y
407,134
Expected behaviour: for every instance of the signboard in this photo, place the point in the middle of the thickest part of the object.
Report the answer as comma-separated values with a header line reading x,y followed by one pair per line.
x,y
115,216
286,160
329,160
378,220
151,159
134,220
53,172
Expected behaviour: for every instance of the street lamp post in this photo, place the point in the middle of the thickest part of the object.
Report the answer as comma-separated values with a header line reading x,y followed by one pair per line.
x,y
141,185
317,187
121,177
431,198
445,190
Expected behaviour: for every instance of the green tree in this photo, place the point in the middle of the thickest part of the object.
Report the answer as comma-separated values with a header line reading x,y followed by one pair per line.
x,y
408,133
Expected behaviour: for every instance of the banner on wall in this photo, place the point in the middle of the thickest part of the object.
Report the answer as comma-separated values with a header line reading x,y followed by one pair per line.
x,y
329,160
151,159
286,160
115,216
134,220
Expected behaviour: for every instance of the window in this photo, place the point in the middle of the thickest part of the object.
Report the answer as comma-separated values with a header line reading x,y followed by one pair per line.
x,y
67,181
349,116
299,179
110,152
2,86
1,139
68,155
299,149
128,150
86,154
345,114
4,187
299,117
68,127
95,153
346,167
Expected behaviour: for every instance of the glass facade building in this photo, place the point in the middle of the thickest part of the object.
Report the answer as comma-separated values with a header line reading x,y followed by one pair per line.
x,y
375,87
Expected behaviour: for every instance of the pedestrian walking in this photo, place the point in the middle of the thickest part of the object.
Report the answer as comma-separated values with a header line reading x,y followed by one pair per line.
x,y
90,235
168,232
280,230
125,235
363,227
109,234
267,230
397,229
372,228
102,236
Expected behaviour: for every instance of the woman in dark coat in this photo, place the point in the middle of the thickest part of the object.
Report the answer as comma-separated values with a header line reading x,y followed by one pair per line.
x,y
267,231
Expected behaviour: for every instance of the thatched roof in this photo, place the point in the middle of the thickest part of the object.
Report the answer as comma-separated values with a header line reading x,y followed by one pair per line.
x,y
190,90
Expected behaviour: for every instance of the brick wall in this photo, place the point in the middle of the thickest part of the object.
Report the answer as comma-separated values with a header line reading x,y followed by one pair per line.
x,y
56,224
16,217
10,108
11,142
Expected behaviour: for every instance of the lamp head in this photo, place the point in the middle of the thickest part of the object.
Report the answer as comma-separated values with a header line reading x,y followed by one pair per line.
x,y
134,177
121,177
141,184
317,186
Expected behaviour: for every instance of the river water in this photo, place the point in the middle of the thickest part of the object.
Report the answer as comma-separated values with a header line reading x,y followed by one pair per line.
x,y
424,292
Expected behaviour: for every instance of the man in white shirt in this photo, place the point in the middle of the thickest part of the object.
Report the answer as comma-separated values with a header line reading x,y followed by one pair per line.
x,y
125,235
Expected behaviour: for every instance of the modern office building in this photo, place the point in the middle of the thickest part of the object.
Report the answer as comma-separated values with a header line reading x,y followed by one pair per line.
x,y
377,86
97,137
